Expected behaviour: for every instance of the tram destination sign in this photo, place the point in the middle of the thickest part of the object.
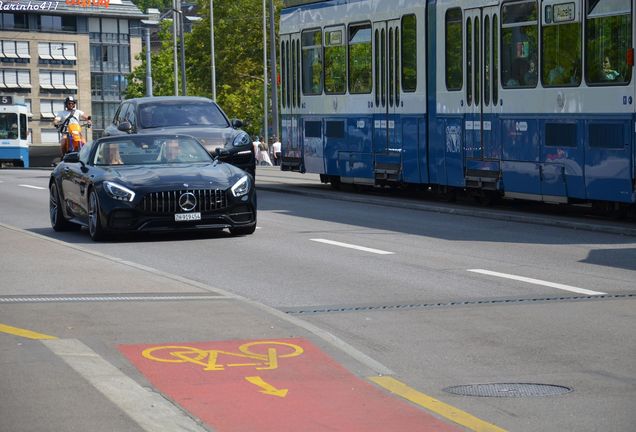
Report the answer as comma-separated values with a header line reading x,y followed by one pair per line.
x,y
6,100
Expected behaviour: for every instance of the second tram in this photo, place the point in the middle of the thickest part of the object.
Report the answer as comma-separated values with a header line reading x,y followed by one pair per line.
x,y
521,98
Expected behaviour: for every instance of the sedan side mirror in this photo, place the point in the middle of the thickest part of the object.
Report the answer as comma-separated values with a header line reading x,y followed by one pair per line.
x,y
220,152
236,123
71,157
125,127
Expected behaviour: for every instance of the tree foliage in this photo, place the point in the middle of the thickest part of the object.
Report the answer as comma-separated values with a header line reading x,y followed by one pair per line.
x,y
238,47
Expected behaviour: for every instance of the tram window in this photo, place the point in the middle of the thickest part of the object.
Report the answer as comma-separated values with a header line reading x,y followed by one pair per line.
x,y
382,67
454,72
8,125
377,67
608,39
360,59
477,62
561,47
312,62
283,67
23,126
519,43
297,69
294,76
487,60
409,53
469,61
391,70
335,63
495,60
397,66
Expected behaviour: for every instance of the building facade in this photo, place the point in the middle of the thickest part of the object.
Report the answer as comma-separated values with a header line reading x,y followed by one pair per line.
x,y
50,50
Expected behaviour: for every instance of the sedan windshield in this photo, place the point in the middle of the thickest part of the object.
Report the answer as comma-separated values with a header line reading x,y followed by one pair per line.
x,y
150,150
171,114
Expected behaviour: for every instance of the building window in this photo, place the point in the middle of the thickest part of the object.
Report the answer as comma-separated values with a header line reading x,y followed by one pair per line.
x,y
110,57
14,51
58,80
56,53
14,21
56,23
50,107
15,79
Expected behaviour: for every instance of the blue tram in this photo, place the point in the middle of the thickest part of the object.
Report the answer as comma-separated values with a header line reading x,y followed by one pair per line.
x,y
529,99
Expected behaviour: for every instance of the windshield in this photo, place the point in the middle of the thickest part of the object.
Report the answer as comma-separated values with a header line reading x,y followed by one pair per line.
x,y
171,114
150,150
8,126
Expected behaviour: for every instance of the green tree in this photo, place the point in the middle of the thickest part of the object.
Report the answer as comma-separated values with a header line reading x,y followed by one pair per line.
x,y
238,47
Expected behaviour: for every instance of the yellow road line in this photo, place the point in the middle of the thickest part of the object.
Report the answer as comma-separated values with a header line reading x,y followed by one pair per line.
x,y
431,404
24,332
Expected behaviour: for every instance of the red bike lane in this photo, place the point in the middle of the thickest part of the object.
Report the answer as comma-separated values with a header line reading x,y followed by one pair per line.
x,y
273,385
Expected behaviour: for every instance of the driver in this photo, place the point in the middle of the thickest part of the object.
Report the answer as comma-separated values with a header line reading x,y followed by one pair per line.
x,y
70,115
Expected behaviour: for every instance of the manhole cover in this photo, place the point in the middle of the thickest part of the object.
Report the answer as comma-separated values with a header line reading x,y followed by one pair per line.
x,y
508,390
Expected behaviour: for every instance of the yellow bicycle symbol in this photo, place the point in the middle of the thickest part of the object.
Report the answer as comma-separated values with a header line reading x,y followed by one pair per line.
x,y
265,355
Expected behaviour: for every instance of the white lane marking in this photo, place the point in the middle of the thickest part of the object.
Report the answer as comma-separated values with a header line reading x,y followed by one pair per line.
x,y
538,282
32,187
350,246
148,409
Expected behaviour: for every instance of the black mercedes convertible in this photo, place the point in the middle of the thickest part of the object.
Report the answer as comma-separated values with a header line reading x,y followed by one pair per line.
x,y
146,183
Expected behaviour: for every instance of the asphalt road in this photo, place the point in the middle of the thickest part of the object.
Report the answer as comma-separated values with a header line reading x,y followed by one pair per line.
x,y
437,296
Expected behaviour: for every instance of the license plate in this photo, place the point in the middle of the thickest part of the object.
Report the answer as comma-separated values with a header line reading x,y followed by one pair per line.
x,y
180,217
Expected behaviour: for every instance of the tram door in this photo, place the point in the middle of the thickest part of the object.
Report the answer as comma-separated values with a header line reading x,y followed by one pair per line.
x,y
387,136
290,102
482,87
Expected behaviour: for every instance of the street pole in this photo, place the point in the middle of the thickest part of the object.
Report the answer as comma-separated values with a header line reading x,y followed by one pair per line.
x,y
148,64
265,105
272,59
175,31
212,50
183,65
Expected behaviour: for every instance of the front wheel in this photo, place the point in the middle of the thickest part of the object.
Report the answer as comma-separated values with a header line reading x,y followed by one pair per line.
x,y
244,230
58,221
95,229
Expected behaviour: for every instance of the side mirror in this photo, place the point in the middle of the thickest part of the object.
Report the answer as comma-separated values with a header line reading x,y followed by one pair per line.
x,y
236,123
71,157
220,152
125,127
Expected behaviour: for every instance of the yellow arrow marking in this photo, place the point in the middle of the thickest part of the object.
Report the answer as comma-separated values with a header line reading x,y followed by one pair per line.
x,y
268,389
24,332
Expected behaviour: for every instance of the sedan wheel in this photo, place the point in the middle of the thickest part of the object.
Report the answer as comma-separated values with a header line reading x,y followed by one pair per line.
x,y
58,221
94,220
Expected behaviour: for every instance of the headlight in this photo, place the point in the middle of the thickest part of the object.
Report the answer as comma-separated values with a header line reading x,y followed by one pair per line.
x,y
241,139
118,192
241,187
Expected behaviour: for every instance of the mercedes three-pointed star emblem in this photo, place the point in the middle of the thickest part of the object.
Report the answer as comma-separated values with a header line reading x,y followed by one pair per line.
x,y
187,201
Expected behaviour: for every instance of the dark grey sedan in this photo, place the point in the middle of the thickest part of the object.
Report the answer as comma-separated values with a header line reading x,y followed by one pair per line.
x,y
196,116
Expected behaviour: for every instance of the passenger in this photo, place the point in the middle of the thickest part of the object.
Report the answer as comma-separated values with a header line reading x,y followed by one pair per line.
x,y
172,151
111,154
609,74
530,76
556,75
13,131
